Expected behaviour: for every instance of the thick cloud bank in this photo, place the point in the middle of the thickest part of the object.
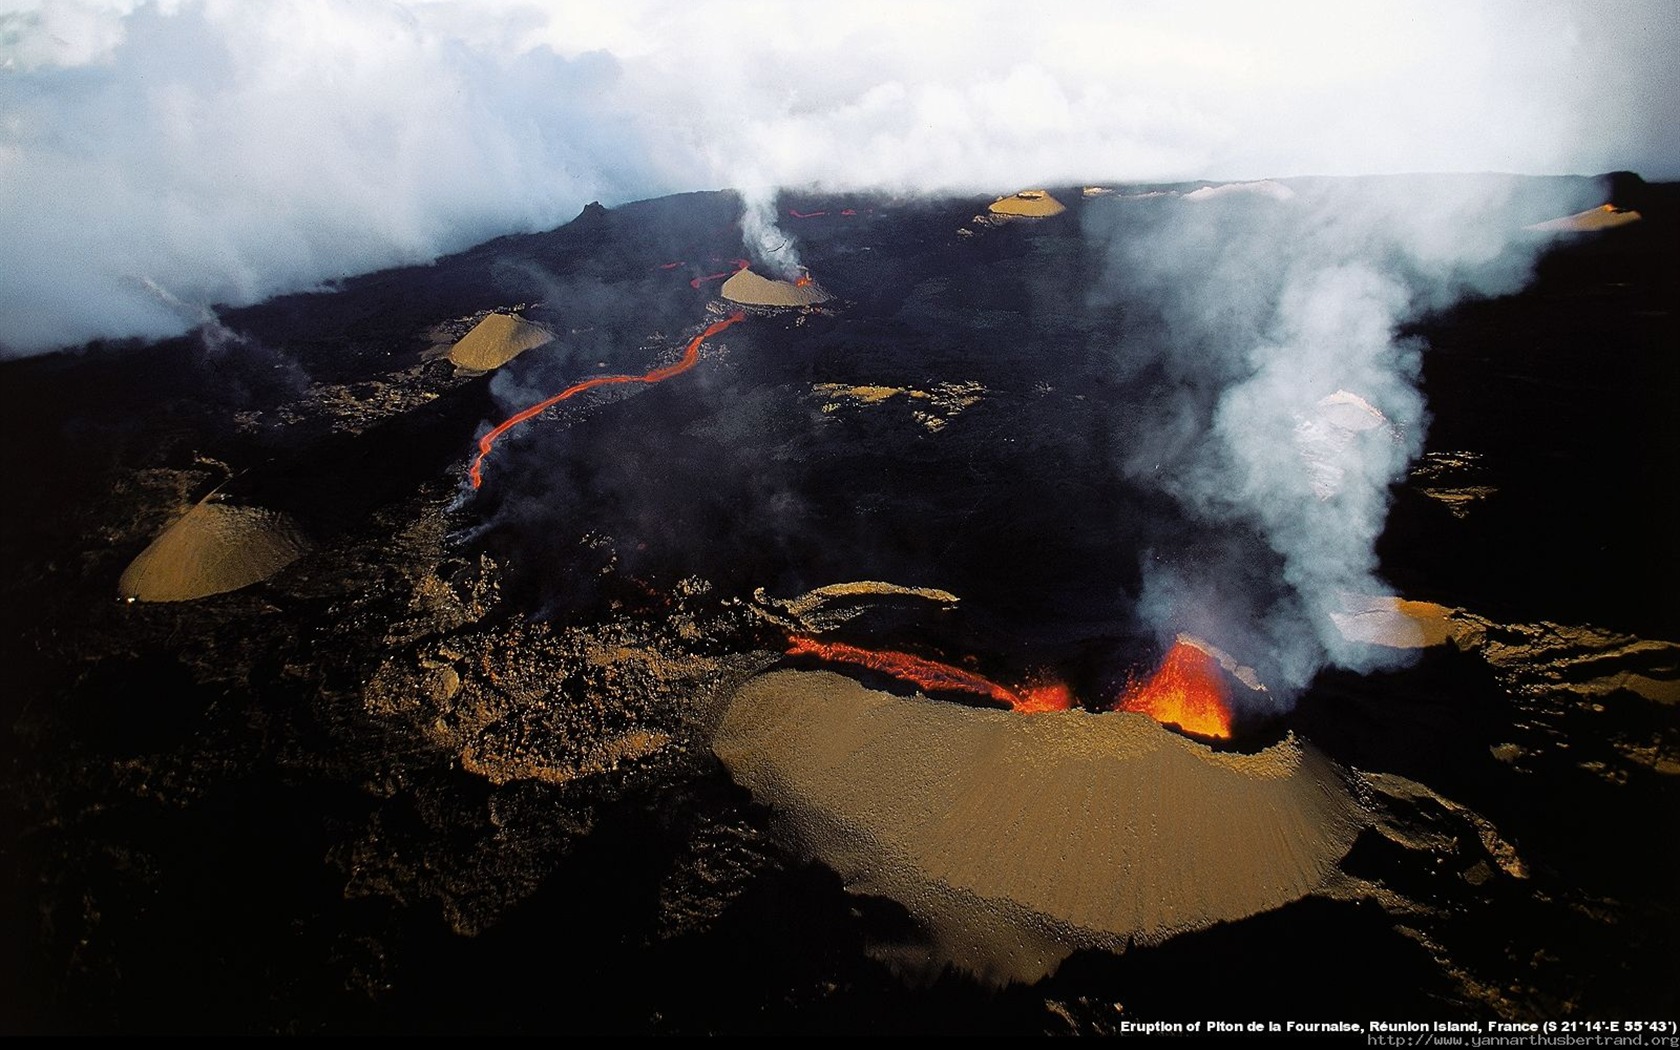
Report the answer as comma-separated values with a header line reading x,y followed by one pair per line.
x,y
160,157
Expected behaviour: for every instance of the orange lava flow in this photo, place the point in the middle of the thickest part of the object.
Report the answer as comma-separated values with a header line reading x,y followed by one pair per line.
x,y
740,264
1044,696
931,674
1186,691
690,357
805,214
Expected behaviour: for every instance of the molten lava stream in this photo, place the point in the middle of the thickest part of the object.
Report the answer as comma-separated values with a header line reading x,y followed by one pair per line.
x,y
1186,691
690,358
931,674
740,264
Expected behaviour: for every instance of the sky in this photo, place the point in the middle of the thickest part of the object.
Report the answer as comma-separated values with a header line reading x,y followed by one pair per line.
x,y
158,158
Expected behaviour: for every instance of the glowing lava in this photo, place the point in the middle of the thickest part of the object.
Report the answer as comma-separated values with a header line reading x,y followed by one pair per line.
x,y
847,212
690,357
931,674
1186,691
740,264
1043,696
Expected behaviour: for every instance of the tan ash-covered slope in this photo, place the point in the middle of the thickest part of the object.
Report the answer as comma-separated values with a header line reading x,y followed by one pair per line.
x,y
496,340
1037,204
214,548
1015,839
751,289
1603,217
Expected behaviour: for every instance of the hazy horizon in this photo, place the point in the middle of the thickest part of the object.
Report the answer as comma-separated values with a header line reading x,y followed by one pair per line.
x,y
164,156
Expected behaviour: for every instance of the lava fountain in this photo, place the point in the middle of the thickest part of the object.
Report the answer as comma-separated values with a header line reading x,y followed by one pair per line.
x,y
1186,691
1040,697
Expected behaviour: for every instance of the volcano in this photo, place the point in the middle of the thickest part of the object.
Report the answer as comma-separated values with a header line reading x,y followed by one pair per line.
x,y
1187,691
496,340
1603,217
1193,601
213,548
1015,840
1035,204
748,288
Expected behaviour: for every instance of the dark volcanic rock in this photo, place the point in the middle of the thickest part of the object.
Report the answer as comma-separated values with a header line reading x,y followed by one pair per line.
x,y
450,770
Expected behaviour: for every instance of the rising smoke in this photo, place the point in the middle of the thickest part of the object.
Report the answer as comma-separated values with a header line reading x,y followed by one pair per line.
x,y
772,249
1291,402
229,151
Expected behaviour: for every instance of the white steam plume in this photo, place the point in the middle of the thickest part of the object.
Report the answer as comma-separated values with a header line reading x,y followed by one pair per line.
x,y
1293,403
772,249
231,150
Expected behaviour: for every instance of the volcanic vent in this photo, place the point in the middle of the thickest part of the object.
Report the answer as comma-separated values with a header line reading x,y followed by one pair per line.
x,y
750,289
1015,840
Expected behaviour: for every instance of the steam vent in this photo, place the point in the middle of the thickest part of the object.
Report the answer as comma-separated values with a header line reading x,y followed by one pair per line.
x,y
1016,839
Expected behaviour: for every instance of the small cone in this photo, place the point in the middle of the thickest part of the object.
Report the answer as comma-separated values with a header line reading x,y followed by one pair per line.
x,y
213,549
749,288
1036,204
1017,839
496,340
